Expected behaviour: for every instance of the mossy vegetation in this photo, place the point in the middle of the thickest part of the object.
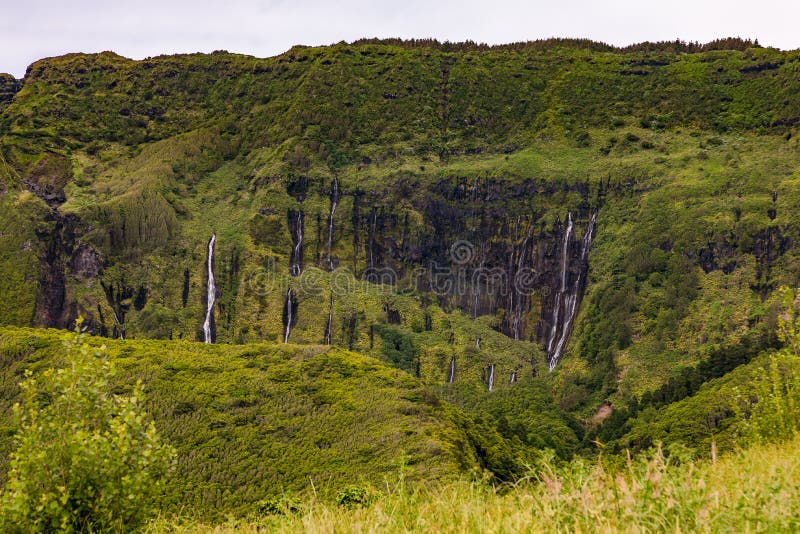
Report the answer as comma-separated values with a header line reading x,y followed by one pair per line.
x,y
363,165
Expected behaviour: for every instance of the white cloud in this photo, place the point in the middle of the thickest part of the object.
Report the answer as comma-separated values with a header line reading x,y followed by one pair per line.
x,y
37,28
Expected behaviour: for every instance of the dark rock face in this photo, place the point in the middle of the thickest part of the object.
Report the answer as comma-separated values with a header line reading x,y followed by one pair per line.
x,y
766,245
85,263
52,198
485,249
48,177
59,242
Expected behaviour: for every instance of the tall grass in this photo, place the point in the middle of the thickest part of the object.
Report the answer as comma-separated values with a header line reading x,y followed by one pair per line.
x,y
753,491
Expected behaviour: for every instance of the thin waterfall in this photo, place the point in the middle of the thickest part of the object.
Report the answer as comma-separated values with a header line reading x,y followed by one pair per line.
x,y
570,296
211,292
563,287
295,269
329,326
334,203
513,377
491,377
297,250
118,328
289,316
451,376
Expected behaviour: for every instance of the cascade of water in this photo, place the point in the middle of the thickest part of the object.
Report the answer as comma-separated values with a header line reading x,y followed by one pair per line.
x,y
562,288
478,343
289,318
586,242
329,326
569,312
452,375
295,269
334,203
118,328
571,297
211,292
565,252
297,251
491,376
513,377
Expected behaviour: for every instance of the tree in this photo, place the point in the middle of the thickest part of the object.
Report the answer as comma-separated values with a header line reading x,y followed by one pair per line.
x,y
85,459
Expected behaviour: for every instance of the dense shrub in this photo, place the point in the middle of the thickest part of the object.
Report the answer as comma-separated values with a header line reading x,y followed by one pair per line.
x,y
85,459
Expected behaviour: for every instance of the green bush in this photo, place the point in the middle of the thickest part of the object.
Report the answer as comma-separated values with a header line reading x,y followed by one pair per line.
x,y
354,496
282,505
85,459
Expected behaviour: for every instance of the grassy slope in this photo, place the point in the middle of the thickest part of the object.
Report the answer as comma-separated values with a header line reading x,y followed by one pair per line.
x,y
254,421
751,491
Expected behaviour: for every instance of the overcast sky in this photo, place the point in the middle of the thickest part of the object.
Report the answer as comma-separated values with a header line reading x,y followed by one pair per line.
x,y
32,29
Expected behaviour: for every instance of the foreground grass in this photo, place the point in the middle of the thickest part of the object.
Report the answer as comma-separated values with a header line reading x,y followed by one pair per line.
x,y
757,490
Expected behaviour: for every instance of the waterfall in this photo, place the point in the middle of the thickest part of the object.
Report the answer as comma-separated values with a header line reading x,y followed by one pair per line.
x,y
586,242
452,375
334,203
491,376
297,250
289,317
562,287
329,326
513,377
565,252
211,292
478,343
118,328
569,295
295,269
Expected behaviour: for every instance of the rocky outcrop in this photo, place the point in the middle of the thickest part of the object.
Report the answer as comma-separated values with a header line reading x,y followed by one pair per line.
x,y
48,177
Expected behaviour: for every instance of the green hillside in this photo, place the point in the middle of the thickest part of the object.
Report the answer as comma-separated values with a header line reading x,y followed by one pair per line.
x,y
443,255
257,421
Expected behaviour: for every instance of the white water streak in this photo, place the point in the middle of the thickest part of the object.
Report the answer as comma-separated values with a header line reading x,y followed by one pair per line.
x,y
288,316
334,203
211,291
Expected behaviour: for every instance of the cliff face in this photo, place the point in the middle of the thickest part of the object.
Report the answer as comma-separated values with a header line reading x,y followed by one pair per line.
x,y
9,86
567,199
481,246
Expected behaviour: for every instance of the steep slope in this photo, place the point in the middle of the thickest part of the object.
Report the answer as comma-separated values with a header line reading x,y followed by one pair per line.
x,y
614,214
